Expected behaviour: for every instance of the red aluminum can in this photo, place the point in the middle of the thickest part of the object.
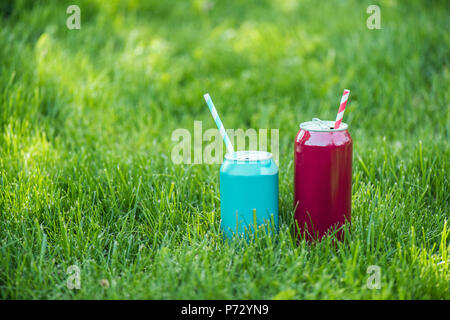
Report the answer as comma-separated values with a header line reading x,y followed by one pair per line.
x,y
322,178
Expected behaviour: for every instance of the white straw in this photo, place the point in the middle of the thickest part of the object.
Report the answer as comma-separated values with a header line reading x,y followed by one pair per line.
x,y
219,124
342,105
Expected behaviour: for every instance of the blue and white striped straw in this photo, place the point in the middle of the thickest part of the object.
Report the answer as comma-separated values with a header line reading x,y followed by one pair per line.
x,y
219,124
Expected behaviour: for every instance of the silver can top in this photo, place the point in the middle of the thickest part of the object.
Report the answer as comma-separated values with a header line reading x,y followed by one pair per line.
x,y
322,126
249,156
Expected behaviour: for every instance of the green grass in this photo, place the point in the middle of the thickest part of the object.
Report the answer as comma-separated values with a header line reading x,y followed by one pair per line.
x,y
86,118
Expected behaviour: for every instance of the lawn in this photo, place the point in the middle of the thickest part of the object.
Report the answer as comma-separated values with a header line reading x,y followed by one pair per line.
x,y
86,118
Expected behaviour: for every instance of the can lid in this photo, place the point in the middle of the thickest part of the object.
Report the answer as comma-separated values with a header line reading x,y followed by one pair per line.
x,y
249,156
322,125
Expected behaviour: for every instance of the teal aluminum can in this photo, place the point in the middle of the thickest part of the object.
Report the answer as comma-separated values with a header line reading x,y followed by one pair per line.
x,y
248,192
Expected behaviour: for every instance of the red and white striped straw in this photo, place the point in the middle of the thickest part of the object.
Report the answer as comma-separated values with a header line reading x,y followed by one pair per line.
x,y
340,114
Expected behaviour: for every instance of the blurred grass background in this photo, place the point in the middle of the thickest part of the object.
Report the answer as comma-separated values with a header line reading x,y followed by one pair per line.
x,y
86,118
